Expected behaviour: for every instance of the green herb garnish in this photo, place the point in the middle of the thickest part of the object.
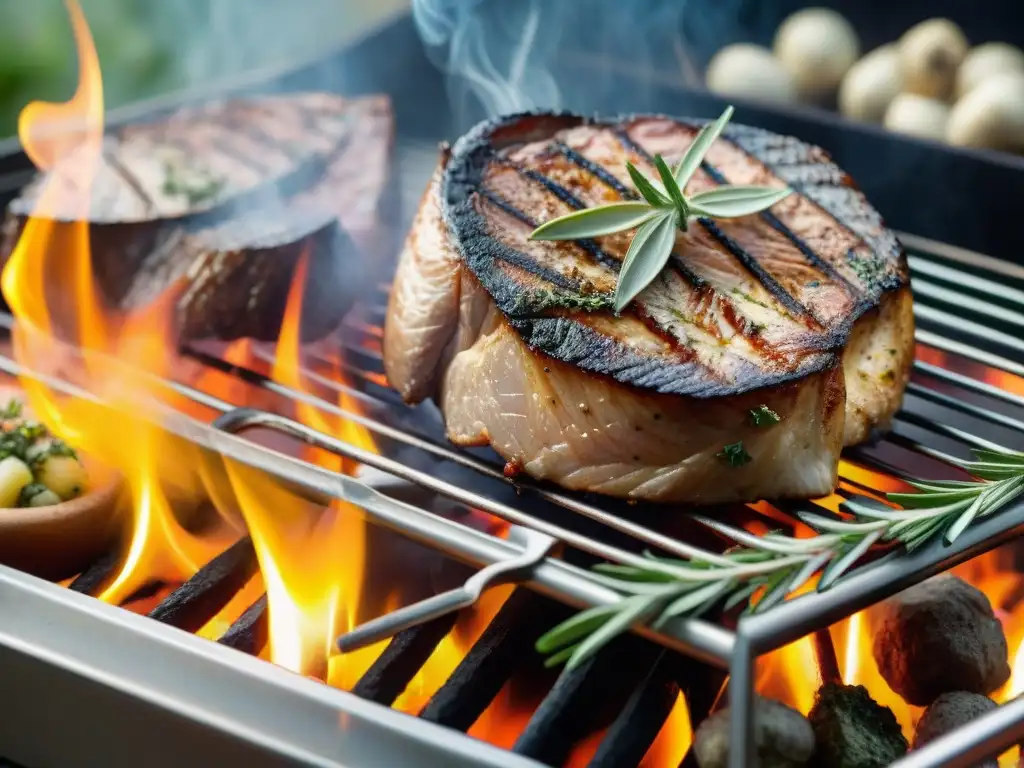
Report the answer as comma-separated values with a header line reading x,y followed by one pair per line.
x,y
763,571
60,448
11,411
195,191
763,416
664,210
29,492
734,454
535,302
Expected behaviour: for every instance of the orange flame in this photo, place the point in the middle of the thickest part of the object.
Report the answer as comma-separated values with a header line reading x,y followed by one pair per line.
x,y
65,140
790,674
673,740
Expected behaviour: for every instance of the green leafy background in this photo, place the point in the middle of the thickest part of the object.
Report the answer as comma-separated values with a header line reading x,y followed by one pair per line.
x,y
147,47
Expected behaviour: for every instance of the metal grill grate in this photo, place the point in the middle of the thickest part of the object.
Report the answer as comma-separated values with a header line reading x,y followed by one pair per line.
x,y
966,309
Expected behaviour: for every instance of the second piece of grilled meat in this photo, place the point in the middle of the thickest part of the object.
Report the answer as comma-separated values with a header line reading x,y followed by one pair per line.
x,y
803,310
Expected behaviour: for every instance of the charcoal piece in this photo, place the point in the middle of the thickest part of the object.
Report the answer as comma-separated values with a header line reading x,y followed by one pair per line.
x,y
215,206
949,712
91,580
637,726
504,647
782,737
199,599
940,636
852,730
584,699
407,652
249,633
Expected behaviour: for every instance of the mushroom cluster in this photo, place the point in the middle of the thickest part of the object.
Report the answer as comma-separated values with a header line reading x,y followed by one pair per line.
x,y
930,83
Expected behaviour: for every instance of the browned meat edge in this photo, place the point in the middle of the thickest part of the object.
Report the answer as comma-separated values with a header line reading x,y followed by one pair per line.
x,y
807,169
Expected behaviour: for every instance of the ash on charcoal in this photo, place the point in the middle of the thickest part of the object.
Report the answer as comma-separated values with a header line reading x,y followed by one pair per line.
x,y
949,712
852,730
937,637
782,736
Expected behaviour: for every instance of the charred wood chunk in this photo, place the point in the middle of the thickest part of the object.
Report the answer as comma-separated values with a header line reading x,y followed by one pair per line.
x,y
949,712
783,737
940,636
584,699
216,206
852,730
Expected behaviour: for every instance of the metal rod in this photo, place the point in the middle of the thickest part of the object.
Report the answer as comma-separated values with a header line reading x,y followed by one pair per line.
x,y
244,418
985,414
742,753
959,277
966,382
944,430
967,351
636,531
964,326
877,580
983,307
986,736
960,255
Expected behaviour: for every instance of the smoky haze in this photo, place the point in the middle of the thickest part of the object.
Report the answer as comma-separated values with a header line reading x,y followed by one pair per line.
x,y
502,56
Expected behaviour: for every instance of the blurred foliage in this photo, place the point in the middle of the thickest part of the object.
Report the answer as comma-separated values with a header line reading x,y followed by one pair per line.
x,y
37,56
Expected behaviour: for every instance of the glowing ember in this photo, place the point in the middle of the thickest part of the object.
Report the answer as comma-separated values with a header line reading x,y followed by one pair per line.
x,y
673,740
791,675
66,139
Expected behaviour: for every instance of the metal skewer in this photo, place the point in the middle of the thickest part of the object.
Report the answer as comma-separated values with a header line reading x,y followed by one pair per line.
x,y
535,547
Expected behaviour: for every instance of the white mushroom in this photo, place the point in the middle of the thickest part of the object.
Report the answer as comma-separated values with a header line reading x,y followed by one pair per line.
x,y
986,60
749,71
816,46
917,116
991,115
871,85
931,53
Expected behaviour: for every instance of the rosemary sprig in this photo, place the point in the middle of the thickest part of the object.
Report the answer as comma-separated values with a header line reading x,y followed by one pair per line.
x,y
775,566
663,212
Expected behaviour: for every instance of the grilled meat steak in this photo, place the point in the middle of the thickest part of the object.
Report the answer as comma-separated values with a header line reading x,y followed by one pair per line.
x,y
220,201
804,309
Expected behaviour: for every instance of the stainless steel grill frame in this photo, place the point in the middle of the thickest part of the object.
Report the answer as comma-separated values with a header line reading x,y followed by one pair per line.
x,y
983,284
188,695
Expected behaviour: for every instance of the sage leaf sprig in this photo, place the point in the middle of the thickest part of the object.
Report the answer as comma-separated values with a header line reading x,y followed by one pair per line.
x,y
663,211
762,571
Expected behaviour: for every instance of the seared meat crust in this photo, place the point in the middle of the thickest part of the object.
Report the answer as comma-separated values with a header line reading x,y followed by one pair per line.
x,y
517,341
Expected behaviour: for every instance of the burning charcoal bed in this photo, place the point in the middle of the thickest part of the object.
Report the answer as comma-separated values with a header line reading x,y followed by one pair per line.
x,y
278,493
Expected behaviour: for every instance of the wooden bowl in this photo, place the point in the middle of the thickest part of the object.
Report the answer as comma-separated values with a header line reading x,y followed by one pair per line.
x,y
61,540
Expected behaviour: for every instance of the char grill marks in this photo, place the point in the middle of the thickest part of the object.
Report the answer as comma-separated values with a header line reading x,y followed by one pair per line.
x,y
220,202
746,302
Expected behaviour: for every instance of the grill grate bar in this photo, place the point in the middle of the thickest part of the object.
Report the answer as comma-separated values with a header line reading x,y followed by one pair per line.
x,y
504,647
985,414
945,430
584,698
250,632
969,384
959,277
970,353
89,581
634,530
967,327
242,419
201,597
403,657
983,307
638,724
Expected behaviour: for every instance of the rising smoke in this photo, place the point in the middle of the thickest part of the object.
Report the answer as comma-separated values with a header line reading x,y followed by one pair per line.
x,y
507,55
